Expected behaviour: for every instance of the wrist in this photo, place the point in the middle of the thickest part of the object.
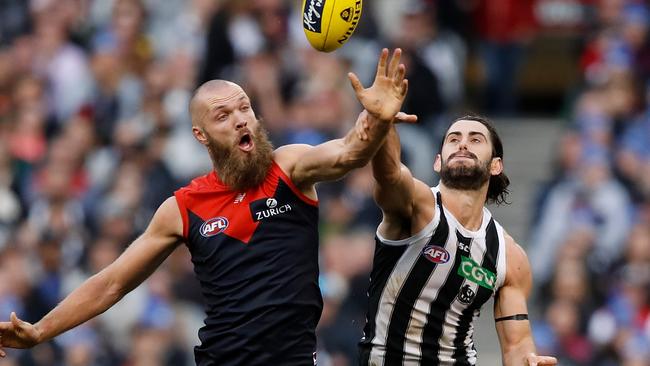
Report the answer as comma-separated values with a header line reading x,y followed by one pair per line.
x,y
39,333
384,120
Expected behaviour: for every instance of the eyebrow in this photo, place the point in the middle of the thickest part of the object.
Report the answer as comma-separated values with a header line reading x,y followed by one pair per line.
x,y
471,133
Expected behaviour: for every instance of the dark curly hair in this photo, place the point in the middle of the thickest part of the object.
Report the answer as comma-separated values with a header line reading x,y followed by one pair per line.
x,y
498,185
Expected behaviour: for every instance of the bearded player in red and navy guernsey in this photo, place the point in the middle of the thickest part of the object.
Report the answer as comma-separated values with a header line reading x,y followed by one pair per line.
x,y
250,225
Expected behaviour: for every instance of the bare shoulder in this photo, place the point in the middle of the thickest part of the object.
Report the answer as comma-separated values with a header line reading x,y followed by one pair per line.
x,y
424,201
422,193
167,220
286,156
517,266
515,253
408,206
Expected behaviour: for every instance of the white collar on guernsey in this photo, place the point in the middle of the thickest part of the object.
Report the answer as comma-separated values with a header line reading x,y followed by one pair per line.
x,y
427,231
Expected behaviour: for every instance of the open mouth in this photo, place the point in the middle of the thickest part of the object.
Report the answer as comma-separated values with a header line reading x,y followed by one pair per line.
x,y
246,142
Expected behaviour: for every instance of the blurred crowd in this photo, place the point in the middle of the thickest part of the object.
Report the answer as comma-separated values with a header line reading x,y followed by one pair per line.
x,y
95,134
590,243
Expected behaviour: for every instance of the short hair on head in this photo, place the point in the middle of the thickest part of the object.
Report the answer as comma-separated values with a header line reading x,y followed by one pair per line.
x,y
195,101
498,185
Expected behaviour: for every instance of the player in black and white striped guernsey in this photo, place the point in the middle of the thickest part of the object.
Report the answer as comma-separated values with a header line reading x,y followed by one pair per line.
x,y
440,256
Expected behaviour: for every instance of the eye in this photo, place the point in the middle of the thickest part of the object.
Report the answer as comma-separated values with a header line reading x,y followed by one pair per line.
x,y
476,140
245,108
453,139
222,117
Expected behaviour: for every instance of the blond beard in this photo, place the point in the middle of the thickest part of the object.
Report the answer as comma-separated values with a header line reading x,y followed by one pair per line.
x,y
240,171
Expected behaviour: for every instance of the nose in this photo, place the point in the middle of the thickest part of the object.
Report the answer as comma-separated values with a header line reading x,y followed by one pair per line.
x,y
241,123
462,145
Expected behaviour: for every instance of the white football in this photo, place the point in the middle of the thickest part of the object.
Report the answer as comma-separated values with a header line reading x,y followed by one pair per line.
x,y
328,24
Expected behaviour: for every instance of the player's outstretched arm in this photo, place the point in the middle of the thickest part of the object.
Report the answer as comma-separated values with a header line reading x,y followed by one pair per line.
x,y
397,192
104,289
511,312
406,202
331,160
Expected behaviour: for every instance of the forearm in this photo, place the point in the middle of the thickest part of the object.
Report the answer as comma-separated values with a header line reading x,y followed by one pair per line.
x,y
103,290
515,354
386,164
92,298
359,152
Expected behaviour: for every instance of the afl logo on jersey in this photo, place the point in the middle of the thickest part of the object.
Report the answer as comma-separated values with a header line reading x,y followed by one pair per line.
x,y
436,254
214,226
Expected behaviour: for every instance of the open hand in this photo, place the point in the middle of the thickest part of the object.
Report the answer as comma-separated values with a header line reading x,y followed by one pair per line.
x,y
17,333
535,360
385,97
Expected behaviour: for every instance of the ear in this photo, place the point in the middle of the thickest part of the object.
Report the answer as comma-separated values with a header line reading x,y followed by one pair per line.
x,y
199,135
437,165
496,166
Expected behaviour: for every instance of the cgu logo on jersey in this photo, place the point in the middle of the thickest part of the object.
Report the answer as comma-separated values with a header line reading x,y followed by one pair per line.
x,y
213,226
268,207
477,274
436,254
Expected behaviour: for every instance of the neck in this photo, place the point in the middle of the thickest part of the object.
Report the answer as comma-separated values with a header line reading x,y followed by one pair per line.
x,y
465,205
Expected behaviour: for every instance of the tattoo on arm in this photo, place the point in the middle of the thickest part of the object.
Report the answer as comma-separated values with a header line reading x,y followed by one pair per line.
x,y
512,317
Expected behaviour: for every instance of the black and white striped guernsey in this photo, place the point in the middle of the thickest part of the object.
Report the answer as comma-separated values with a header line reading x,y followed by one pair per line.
x,y
427,290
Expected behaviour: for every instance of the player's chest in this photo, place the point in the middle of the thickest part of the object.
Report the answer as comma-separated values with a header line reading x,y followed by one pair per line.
x,y
240,215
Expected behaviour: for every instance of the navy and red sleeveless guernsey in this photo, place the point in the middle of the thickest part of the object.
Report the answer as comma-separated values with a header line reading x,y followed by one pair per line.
x,y
255,254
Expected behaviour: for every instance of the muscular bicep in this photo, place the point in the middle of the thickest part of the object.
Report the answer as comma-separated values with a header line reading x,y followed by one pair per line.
x,y
324,162
511,316
510,305
395,197
407,206
333,159
148,251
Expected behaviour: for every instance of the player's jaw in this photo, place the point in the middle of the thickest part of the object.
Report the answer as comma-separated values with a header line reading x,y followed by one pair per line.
x,y
464,171
245,164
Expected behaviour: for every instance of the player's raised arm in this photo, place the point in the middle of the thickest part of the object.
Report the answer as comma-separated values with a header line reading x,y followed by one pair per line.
x,y
333,159
406,203
107,287
511,312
